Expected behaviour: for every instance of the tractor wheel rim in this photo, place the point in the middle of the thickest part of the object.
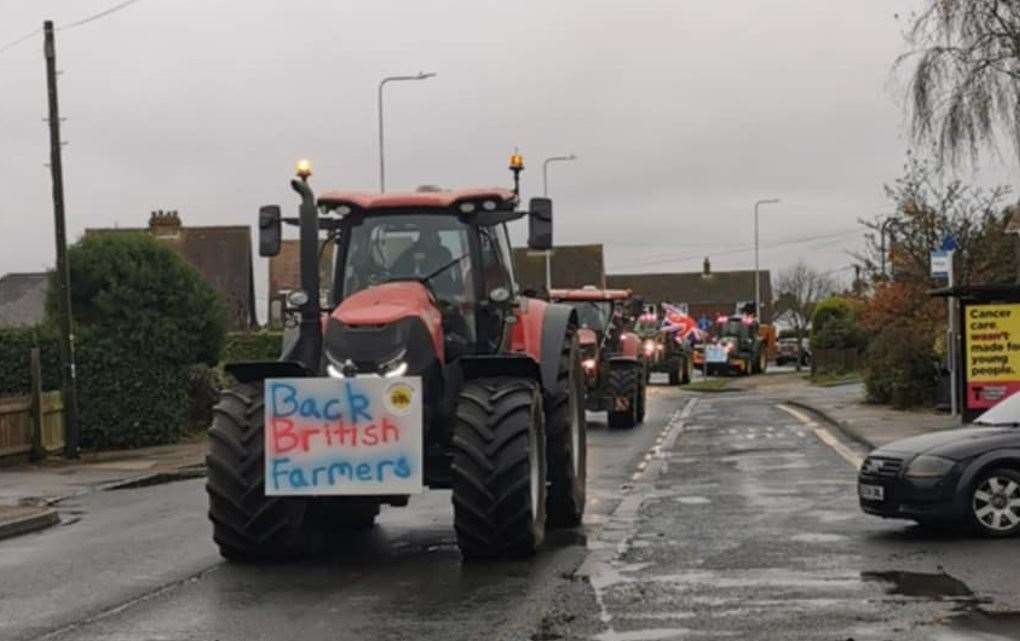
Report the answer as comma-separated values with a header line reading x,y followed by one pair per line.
x,y
534,472
996,504
575,422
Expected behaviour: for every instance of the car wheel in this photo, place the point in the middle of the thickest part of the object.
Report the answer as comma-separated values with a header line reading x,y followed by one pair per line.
x,y
995,503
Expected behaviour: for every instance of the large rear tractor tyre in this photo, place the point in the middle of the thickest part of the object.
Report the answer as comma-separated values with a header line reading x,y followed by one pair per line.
x,y
623,382
247,524
567,442
499,468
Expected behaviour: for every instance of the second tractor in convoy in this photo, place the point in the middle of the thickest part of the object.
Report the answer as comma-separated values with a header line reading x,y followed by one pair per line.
x,y
615,371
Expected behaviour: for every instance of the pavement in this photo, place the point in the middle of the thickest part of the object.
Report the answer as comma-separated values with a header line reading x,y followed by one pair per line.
x,y
845,407
28,491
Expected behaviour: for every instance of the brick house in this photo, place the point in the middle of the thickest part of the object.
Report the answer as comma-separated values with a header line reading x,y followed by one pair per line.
x,y
571,266
706,293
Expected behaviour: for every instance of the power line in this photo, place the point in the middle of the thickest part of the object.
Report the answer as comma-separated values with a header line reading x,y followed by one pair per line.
x,y
77,23
795,241
96,16
18,41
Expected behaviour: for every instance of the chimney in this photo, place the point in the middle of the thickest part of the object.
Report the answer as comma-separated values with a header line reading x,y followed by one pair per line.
x,y
164,224
706,268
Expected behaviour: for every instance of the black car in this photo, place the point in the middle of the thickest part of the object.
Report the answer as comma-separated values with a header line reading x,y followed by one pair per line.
x,y
969,475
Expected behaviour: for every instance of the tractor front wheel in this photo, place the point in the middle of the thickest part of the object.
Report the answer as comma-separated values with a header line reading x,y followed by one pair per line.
x,y
247,524
499,468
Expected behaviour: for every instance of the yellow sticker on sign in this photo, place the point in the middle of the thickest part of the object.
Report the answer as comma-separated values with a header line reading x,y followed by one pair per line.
x,y
399,398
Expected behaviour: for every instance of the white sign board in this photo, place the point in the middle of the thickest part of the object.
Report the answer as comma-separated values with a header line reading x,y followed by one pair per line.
x,y
351,436
715,354
941,263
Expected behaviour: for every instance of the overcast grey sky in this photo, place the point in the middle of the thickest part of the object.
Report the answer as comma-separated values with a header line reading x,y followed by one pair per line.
x,y
683,113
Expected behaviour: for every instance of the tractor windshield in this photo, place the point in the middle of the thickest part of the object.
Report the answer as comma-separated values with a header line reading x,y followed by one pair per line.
x,y
432,248
736,328
593,314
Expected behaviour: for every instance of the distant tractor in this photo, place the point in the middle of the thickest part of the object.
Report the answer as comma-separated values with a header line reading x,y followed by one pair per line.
x,y
744,346
665,351
421,302
614,367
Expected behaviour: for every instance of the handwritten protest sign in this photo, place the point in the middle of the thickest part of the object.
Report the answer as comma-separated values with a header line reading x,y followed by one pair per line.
x,y
352,436
716,354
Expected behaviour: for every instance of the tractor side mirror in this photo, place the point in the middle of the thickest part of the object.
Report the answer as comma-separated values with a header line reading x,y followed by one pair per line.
x,y
270,230
540,229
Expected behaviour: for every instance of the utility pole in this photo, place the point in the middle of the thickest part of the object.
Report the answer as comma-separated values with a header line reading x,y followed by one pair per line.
x,y
63,275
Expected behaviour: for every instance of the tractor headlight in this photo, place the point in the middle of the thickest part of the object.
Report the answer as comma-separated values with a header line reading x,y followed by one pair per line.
x,y
334,371
588,364
649,347
929,467
396,366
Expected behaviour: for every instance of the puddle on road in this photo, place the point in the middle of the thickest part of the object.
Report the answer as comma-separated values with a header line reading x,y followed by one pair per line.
x,y
818,537
977,624
653,634
918,584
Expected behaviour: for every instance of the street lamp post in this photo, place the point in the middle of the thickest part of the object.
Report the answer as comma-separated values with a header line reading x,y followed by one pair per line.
x,y
545,193
757,277
382,83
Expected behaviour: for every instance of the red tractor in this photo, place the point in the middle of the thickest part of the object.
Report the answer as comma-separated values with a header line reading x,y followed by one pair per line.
x,y
614,369
422,294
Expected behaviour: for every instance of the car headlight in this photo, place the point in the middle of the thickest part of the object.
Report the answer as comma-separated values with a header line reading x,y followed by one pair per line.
x,y
929,467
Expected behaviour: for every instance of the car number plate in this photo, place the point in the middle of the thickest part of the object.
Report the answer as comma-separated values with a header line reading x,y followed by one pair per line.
x,y
871,492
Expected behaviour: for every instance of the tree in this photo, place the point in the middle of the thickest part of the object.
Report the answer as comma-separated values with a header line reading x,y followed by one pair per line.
x,y
926,210
799,288
964,88
144,317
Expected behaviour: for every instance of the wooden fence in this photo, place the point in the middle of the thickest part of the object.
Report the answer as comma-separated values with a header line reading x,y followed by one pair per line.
x,y
32,424
18,420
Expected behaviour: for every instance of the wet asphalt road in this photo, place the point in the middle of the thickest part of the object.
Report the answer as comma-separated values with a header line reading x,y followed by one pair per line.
x,y
140,564
722,518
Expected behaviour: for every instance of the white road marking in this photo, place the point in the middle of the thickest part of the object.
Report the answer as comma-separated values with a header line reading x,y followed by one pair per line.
x,y
825,436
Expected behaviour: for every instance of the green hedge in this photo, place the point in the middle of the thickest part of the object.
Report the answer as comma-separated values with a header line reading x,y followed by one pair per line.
x,y
15,345
834,325
901,368
252,346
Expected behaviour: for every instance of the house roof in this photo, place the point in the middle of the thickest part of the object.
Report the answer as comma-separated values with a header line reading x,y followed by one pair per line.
x,y
694,287
397,200
221,253
572,266
589,294
23,299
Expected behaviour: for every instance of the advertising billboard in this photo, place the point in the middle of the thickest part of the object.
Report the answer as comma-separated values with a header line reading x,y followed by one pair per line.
x,y
991,343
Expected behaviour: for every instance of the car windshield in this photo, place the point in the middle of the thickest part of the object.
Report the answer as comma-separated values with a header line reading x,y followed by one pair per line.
x,y
736,328
593,314
1005,413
